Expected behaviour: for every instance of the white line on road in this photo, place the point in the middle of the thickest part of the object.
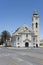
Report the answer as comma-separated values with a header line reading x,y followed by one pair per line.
x,y
16,48
2,55
22,60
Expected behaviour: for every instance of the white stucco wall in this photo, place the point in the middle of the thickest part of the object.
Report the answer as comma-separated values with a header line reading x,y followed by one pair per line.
x,y
21,41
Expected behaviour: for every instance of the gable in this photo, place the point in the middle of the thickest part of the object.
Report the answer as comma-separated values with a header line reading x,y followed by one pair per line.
x,y
22,29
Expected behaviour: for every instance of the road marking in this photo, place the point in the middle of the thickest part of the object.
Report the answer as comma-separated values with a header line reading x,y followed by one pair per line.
x,y
22,53
2,55
27,62
17,48
19,59
22,60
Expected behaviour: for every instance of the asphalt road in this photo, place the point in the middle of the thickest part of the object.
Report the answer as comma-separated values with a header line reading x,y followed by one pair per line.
x,y
21,56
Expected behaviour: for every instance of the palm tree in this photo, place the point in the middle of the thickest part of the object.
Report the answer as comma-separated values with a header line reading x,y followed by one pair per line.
x,y
5,36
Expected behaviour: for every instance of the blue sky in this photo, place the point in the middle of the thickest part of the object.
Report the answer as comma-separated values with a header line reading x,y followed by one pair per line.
x,y
15,13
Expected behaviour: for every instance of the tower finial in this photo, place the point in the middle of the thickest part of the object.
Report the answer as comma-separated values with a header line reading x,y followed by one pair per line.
x,y
35,12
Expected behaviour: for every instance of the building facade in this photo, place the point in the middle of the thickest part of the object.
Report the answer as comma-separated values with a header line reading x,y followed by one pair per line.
x,y
25,36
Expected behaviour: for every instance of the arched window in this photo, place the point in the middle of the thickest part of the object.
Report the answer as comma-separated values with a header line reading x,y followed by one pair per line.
x,y
36,25
26,35
26,28
32,24
18,43
18,38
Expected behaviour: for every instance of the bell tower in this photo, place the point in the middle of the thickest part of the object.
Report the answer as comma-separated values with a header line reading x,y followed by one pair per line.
x,y
35,28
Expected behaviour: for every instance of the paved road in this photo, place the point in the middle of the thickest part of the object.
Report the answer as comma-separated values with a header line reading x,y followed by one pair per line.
x,y
21,56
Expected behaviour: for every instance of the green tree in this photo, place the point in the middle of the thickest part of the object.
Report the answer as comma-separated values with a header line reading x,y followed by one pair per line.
x,y
5,36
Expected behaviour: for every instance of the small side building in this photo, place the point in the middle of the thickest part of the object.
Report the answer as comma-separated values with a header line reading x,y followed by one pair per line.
x,y
41,43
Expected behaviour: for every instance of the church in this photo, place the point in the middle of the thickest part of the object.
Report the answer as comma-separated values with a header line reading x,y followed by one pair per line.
x,y
26,36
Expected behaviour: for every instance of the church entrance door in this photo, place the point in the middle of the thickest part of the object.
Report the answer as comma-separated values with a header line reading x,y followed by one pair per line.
x,y
37,45
26,44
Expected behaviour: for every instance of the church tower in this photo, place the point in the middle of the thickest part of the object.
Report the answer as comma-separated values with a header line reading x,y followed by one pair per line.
x,y
35,28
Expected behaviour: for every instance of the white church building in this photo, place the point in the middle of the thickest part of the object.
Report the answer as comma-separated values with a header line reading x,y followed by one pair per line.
x,y
25,36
